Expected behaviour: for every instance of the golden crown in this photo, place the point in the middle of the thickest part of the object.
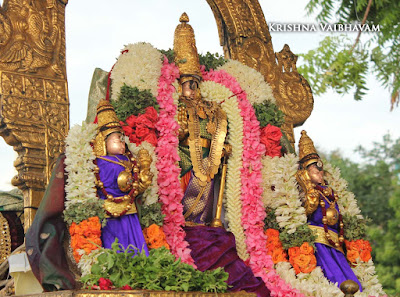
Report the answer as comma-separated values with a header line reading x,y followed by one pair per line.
x,y
307,152
186,57
108,123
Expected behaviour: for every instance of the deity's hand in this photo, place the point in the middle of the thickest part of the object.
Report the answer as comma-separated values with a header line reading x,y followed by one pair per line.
x,y
145,176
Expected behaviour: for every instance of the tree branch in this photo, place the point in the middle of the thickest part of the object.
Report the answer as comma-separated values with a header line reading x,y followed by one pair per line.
x,y
362,23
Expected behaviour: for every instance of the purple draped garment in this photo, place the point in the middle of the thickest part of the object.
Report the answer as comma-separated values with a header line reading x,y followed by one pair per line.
x,y
215,247
127,227
333,263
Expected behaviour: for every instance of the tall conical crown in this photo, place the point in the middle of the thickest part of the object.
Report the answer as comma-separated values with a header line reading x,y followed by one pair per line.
x,y
186,57
307,152
108,123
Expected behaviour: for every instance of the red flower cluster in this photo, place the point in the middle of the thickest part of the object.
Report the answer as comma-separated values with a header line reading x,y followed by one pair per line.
x,y
302,258
274,246
105,284
271,138
358,249
142,127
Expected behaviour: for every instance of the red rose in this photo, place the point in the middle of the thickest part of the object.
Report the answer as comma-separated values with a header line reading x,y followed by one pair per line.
x,y
126,287
151,114
151,138
273,151
127,130
141,131
142,120
271,132
133,139
105,283
131,121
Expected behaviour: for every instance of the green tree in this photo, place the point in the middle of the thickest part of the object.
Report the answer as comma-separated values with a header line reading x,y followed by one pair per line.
x,y
376,184
341,63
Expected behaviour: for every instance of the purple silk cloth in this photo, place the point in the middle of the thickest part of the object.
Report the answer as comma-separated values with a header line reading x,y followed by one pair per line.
x,y
333,263
215,247
127,227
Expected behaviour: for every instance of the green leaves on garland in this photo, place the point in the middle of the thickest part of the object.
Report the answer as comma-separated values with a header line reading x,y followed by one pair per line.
x,y
209,60
78,212
151,214
355,228
268,113
303,234
159,271
133,101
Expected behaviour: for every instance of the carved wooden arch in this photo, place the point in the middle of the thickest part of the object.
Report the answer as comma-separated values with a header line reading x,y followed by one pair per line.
x,y
34,103
245,37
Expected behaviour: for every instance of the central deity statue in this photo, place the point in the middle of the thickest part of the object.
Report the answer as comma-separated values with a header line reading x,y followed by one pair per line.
x,y
202,146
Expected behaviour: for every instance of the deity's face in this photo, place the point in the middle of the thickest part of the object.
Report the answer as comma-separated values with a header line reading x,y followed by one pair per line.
x,y
115,144
189,89
316,174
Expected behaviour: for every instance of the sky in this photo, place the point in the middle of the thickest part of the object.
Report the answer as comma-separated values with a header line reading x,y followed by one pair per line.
x,y
96,31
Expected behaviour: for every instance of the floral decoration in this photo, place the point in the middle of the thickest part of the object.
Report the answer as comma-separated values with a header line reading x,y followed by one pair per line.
x,y
142,127
302,258
271,138
85,236
170,191
250,80
138,65
358,249
274,246
155,237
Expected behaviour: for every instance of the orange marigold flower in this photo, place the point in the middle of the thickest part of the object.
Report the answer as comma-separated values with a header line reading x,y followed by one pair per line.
x,y
155,237
279,255
306,249
302,258
85,236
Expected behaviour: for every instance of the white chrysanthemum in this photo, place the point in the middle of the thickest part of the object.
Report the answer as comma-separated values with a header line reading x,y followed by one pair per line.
x,y
347,202
212,91
365,272
251,81
139,67
86,261
150,195
80,184
280,191
310,284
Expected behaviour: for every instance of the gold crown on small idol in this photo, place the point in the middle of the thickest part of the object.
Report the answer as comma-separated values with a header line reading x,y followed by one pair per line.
x,y
108,123
186,57
307,152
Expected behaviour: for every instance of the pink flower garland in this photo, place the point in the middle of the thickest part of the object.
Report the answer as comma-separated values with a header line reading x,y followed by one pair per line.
x,y
170,192
253,212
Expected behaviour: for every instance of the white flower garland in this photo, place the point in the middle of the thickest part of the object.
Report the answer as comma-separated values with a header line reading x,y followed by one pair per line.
x,y
213,91
251,81
280,174
150,195
348,203
80,185
139,67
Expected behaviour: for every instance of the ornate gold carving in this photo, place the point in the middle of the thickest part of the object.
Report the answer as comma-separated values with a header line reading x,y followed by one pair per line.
x,y
34,37
245,37
34,107
5,239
